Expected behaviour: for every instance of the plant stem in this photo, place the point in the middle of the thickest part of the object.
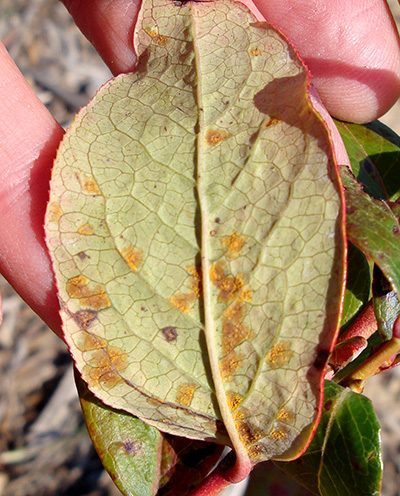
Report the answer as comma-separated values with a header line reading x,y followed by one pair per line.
x,y
356,380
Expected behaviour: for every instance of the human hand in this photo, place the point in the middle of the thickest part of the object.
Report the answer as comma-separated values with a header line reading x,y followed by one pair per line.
x,y
356,70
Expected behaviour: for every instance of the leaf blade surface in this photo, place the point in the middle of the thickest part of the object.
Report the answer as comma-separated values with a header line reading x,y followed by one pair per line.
x,y
196,232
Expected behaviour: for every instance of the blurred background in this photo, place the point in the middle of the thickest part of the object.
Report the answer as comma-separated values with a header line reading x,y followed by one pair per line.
x,y
44,447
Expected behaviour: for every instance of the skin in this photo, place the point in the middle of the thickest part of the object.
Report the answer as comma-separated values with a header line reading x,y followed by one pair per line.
x,y
356,72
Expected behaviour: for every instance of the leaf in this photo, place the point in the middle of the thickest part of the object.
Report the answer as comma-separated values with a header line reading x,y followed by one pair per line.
x,y
373,227
267,480
374,152
196,232
344,456
386,304
128,448
358,284
138,457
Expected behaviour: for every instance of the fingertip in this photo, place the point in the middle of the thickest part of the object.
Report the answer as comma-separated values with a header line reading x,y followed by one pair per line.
x,y
109,26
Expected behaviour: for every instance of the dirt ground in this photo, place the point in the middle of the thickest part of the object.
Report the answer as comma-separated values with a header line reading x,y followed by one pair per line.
x,y
44,447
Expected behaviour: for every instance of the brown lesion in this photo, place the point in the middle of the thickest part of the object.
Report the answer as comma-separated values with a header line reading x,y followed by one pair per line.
x,y
214,137
279,355
233,244
54,212
84,318
105,364
183,301
229,364
185,394
133,257
88,184
234,332
170,333
90,296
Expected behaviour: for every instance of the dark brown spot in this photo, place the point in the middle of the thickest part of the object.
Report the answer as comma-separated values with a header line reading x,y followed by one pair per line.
x,y
395,229
85,318
328,405
82,255
217,220
130,447
170,333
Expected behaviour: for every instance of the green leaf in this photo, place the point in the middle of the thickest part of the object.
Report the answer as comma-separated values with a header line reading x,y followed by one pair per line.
x,y
267,480
139,458
358,284
196,232
386,304
373,227
344,457
374,152
128,448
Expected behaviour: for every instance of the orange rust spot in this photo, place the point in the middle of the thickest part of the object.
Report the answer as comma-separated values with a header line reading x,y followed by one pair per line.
x,y
228,286
86,229
277,434
285,416
273,121
233,399
233,244
246,434
54,211
229,364
132,256
255,451
183,301
104,366
195,272
157,38
89,185
240,413
185,394
256,51
279,355
90,297
216,136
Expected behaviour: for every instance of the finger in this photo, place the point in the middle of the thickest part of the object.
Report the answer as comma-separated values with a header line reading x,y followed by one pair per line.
x,y
109,25
352,49
29,137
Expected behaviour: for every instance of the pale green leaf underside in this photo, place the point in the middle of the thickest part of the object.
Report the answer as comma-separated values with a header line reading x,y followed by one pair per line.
x,y
195,228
